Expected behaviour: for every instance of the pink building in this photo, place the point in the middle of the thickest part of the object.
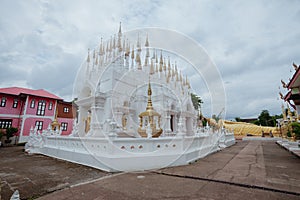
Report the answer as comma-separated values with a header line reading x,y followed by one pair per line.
x,y
25,108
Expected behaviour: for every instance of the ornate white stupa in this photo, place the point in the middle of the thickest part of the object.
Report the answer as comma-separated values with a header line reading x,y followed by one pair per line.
x,y
135,113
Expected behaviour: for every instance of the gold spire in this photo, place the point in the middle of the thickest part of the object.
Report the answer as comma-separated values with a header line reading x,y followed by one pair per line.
x,y
138,45
283,112
289,112
147,42
173,71
88,57
153,118
149,104
110,44
186,80
119,39
132,52
101,48
120,30
151,68
96,62
114,42
161,62
180,77
165,66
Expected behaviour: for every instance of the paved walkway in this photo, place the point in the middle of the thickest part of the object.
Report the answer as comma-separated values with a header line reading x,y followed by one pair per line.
x,y
247,170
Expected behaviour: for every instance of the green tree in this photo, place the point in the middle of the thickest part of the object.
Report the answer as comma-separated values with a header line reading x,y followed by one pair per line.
x,y
197,101
265,119
237,119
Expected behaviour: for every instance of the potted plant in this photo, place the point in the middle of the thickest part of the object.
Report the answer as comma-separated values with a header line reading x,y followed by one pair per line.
x,y
10,132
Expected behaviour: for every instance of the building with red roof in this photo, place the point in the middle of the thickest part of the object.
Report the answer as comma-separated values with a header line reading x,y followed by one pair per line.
x,y
25,108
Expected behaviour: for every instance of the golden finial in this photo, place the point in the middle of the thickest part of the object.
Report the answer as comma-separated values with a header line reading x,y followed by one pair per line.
x,y
289,112
149,104
161,58
96,62
124,45
283,84
173,70
169,64
110,44
88,57
120,30
101,48
151,68
138,61
186,80
180,76
165,66
295,66
127,47
107,46
147,42
132,52
138,45
169,73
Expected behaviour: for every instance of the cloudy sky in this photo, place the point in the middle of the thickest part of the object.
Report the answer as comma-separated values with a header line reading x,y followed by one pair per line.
x,y
253,43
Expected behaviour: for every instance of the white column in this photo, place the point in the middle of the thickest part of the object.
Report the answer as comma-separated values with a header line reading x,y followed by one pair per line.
x,y
168,125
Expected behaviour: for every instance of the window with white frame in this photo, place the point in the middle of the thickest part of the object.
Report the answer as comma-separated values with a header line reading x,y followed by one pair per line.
x,y
3,102
66,109
39,125
5,123
32,104
15,104
64,126
50,106
41,108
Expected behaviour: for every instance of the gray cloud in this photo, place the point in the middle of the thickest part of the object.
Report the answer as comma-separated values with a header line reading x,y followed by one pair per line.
x,y
253,43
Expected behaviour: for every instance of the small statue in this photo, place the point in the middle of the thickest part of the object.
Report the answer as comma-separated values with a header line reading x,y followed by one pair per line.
x,y
124,122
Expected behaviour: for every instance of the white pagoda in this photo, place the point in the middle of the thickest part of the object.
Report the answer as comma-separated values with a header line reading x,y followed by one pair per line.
x,y
135,113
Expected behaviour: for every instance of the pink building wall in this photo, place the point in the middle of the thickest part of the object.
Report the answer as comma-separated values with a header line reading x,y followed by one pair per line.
x,y
69,121
30,122
8,109
33,111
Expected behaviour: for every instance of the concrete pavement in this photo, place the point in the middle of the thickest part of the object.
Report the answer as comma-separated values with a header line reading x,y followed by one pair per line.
x,y
247,170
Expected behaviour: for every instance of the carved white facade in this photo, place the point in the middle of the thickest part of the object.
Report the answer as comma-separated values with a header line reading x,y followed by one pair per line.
x,y
113,88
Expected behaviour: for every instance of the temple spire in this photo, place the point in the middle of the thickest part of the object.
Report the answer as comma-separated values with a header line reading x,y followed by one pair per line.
x,y
147,42
120,30
161,62
149,104
120,38
88,57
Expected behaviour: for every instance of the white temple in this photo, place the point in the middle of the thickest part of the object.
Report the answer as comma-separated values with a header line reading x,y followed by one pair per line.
x,y
135,113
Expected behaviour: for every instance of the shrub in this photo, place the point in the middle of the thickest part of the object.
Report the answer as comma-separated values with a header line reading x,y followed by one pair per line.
x,y
10,132
296,129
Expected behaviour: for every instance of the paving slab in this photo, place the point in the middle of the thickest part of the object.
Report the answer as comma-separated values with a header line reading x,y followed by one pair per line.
x,y
253,163
36,175
247,170
151,185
